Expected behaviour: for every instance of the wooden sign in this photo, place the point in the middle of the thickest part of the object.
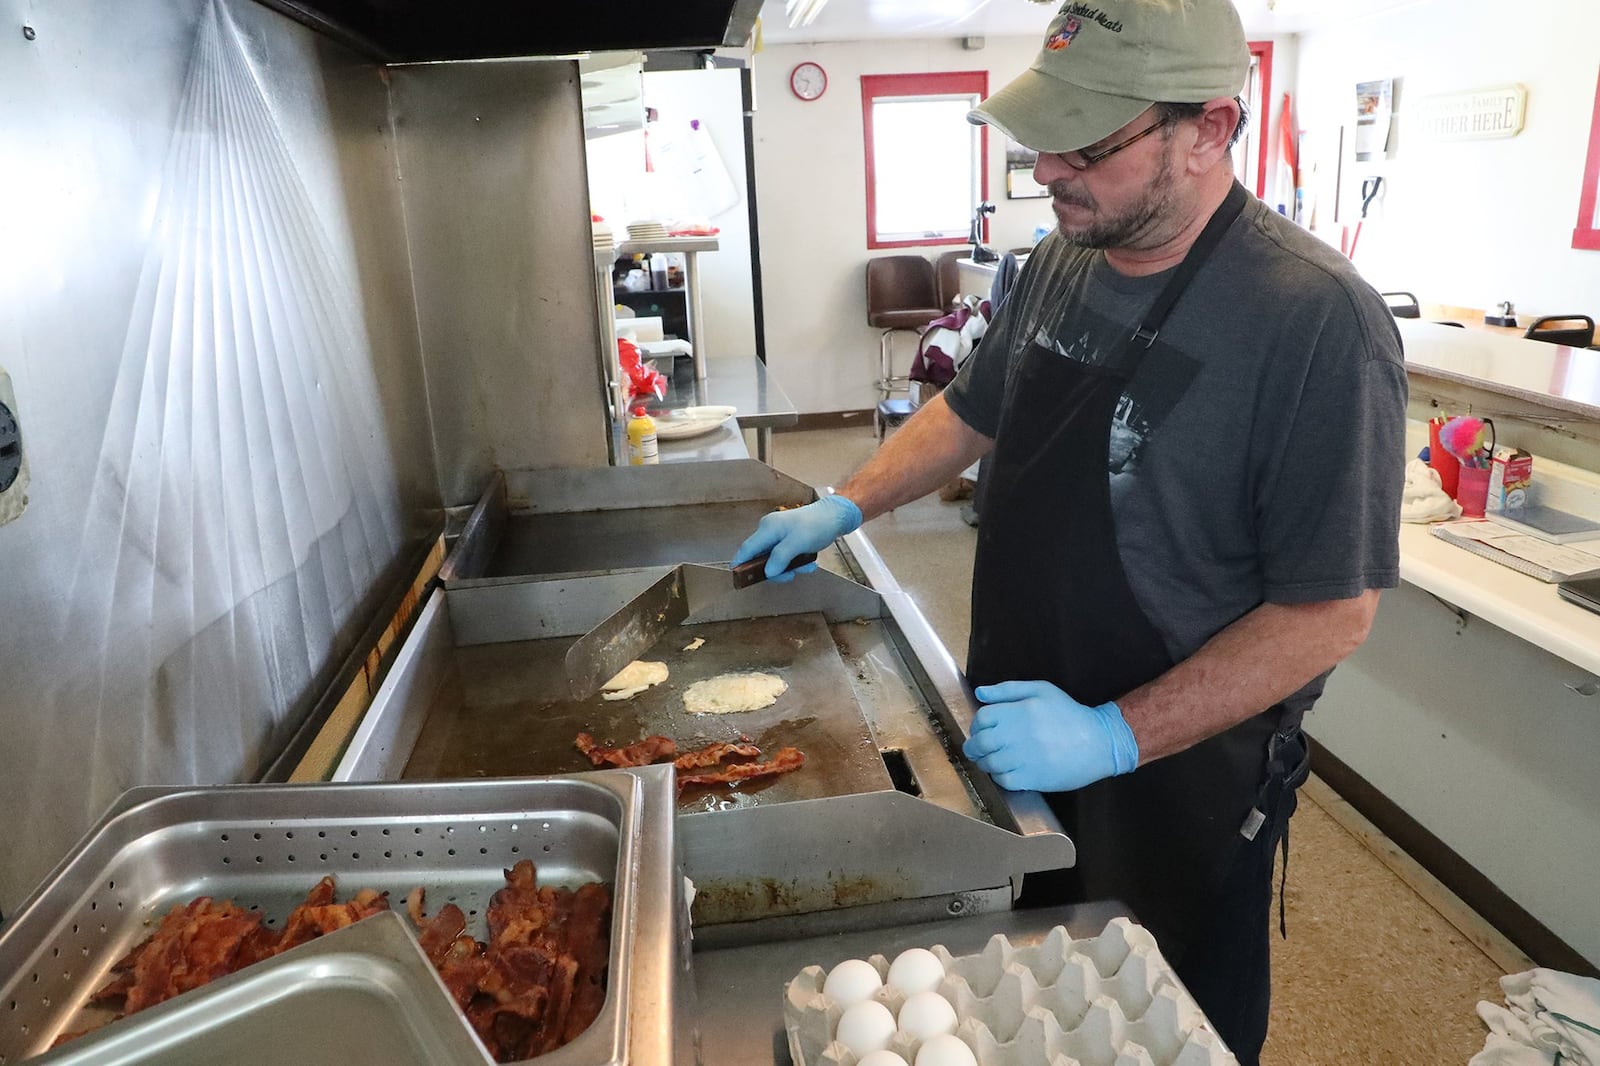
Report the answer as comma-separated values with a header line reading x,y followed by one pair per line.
x,y
1477,114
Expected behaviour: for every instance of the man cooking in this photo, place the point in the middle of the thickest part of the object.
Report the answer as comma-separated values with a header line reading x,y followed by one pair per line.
x,y
1191,414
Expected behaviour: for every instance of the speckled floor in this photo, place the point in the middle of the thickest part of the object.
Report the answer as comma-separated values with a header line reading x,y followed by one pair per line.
x,y
1371,971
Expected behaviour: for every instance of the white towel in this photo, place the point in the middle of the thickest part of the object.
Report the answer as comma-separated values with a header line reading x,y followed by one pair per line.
x,y
1549,1017
1423,499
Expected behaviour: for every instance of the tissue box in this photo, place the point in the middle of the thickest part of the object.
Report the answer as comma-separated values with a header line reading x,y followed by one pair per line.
x,y
1510,472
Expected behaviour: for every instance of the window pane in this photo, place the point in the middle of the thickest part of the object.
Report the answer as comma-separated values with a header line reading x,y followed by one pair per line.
x,y
924,154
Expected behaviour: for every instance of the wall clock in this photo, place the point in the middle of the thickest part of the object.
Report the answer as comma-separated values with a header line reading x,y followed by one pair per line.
x,y
808,80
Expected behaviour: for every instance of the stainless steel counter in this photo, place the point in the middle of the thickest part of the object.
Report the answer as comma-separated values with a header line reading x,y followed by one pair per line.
x,y
739,989
725,442
737,381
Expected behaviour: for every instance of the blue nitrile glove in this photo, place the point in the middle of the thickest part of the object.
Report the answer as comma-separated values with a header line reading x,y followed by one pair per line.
x,y
1032,736
804,529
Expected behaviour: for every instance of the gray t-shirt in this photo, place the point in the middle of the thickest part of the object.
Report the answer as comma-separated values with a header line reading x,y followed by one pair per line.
x,y
1257,455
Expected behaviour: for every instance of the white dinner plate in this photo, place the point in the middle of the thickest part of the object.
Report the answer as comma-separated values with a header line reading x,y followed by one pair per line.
x,y
692,422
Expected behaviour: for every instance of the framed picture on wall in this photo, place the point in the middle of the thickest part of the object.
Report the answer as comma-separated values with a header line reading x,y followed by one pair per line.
x,y
1019,173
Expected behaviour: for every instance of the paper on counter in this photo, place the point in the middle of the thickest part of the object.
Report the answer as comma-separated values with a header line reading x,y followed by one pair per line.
x,y
1562,558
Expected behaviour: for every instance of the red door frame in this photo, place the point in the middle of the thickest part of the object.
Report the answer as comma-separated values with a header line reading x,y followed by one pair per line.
x,y
1585,234
1262,50
875,86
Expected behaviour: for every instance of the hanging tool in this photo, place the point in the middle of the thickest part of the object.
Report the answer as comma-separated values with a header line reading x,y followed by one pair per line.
x,y
1370,190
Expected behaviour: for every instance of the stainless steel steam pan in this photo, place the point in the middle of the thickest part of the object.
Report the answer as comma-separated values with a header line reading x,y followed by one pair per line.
x,y
365,995
265,846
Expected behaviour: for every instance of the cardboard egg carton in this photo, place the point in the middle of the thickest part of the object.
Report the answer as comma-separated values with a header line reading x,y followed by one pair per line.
x,y
1110,1000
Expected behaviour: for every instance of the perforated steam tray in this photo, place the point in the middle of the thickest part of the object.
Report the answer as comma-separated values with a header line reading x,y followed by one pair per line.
x,y
264,846
1110,1000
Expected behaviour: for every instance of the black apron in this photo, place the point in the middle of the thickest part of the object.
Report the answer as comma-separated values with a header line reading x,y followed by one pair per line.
x,y
1050,601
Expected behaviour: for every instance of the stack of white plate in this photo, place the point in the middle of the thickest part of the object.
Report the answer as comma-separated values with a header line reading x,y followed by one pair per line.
x,y
647,230
603,240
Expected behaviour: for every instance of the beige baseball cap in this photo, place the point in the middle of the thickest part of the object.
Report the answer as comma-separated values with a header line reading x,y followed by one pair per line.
x,y
1105,61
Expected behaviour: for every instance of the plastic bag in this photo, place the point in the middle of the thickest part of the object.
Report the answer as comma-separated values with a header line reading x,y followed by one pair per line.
x,y
644,380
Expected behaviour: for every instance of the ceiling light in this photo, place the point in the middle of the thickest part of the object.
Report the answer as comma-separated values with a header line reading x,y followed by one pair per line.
x,y
802,12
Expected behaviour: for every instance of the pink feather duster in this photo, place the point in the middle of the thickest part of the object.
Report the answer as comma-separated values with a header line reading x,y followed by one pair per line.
x,y
1462,437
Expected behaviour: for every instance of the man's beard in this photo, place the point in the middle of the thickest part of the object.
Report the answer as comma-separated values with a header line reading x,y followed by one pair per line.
x,y
1130,228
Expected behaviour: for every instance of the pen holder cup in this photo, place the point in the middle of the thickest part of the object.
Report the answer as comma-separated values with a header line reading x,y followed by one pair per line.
x,y
1447,465
1472,490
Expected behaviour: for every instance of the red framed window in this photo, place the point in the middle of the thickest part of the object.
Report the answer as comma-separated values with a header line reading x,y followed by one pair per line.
x,y
926,164
1587,233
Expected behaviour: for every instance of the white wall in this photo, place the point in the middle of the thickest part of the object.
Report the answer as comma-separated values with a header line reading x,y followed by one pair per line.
x,y
621,191
811,195
811,188
1470,223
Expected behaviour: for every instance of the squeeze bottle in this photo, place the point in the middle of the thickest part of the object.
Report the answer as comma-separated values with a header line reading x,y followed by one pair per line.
x,y
642,448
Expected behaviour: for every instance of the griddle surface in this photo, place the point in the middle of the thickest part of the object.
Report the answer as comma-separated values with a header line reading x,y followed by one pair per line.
x,y
504,711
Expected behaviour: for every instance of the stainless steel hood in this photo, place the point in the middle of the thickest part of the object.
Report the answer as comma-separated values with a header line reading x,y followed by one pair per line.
x,y
422,31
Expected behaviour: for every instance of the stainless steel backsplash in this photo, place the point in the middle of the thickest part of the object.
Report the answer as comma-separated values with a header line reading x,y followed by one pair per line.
x,y
236,419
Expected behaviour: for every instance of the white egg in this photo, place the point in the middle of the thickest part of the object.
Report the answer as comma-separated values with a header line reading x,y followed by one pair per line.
x,y
868,1026
916,970
882,1058
927,1014
946,1050
850,982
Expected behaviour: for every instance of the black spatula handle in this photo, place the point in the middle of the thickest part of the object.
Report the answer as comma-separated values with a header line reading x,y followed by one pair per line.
x,y
754,571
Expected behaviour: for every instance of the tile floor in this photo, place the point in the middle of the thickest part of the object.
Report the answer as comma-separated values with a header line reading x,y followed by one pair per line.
x,y
1376,968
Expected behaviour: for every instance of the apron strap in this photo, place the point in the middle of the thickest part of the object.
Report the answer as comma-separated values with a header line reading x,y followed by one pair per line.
x,y
1283,885
1284,778
1156,316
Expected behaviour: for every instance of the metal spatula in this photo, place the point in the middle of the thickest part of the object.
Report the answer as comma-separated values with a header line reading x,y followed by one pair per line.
x,y
599,654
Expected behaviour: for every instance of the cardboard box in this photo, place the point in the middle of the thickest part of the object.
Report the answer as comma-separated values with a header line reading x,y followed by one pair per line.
x,y
1510,473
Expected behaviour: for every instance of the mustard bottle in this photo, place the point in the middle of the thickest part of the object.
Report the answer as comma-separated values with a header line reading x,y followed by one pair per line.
x,y
642,448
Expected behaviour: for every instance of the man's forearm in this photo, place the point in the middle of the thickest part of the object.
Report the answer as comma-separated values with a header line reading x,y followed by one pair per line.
x,y
1265,656
931,448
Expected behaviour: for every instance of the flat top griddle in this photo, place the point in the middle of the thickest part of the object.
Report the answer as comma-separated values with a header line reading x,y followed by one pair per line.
x,y
575,542
504,710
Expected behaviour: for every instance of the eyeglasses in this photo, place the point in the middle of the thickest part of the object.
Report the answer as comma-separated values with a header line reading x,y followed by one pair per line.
x,y
1080,160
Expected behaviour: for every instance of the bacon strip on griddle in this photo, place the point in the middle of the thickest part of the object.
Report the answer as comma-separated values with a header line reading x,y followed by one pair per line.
x,y
787,760
642,753
712,754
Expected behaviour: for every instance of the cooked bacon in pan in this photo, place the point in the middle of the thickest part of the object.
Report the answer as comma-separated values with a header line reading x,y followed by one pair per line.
x,y
202,940
537,983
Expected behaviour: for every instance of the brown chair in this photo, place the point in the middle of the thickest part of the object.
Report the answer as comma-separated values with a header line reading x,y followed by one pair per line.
x,y
902,296
947,277
1402,308
1572,334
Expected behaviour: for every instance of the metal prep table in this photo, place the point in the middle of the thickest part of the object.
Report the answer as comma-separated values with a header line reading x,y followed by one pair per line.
x,y
739,381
